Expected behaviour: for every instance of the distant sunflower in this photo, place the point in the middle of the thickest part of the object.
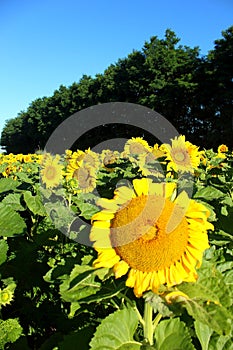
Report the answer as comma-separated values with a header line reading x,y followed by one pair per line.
x,y
109,157
51,171
88,157
6,296
86,178
182,155
222,149
143,231
135,146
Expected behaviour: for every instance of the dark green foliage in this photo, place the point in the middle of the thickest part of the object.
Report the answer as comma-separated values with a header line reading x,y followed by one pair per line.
x,y
194,93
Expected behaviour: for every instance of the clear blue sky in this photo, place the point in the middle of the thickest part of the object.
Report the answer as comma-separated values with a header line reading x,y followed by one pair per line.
x,y
46,43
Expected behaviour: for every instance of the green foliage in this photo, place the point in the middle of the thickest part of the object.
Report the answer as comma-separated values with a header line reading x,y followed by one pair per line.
x,y
116,332
11,222
57,300
10,331
3,251
173,334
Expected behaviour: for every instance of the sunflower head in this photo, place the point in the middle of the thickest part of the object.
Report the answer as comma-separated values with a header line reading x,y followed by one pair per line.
x,y
222,149
85,177
182,155
136,146
6,296
144,232
51,171
109,157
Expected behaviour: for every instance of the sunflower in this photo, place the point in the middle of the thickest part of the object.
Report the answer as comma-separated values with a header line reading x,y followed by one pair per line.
x,y
144,232
85,177
51,171
135,146
222,149
6,296
88,157
109,157
181,155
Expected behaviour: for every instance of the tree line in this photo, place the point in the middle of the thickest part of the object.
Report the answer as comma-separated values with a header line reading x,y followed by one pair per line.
x,y
194,92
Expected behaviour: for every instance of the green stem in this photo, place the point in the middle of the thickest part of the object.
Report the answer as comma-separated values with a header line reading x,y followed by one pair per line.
x,y
156,321
148,324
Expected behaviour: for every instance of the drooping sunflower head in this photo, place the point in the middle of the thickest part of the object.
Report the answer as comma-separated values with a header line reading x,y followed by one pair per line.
x,y
144,232
182,155
51,170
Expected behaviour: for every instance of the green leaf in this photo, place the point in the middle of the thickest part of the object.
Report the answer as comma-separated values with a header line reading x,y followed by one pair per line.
x,y
87,210
13,200
173,334
34,203
80,284
222,342
203,333
209,193
116,332
11,222
10,331
3,251
7,185
214,316
210,286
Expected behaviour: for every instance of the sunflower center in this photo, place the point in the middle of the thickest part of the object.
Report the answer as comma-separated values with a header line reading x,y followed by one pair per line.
x,y
136,148
50,172
5,296
139,233
179,156
83,176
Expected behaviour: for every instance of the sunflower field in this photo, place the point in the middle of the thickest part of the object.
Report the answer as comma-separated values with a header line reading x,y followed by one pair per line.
x,y
117,250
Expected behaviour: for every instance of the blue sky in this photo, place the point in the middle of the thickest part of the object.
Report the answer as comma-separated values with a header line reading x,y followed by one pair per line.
x,y
46,43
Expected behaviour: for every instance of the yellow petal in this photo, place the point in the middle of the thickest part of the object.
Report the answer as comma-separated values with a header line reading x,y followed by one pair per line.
x,y
123,194
120,269
130,282
109,204
141,186
102,215
106,258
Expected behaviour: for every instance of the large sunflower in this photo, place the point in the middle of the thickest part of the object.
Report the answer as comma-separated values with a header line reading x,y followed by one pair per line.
x,y
143,230
182,155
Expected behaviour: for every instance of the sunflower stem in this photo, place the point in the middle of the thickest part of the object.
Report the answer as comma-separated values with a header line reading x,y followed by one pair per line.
x,y
148,323
156,321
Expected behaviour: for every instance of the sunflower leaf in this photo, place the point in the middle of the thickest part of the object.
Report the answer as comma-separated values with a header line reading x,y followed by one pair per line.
x,y
214,316
3,251
203,333
11,222
116,332
10,331
34,203
80,284
7,185
13,200
173,334
209,193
